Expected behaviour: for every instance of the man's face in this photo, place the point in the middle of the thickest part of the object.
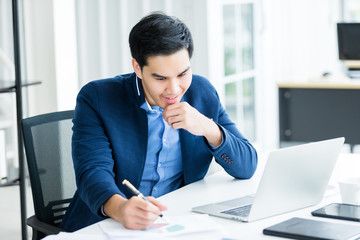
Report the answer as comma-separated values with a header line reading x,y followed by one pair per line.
x,y
165,78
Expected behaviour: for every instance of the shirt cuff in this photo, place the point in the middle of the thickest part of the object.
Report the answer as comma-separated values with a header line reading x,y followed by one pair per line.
x,y
102,211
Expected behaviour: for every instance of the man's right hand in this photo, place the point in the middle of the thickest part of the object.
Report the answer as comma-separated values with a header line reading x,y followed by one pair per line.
x,y
133,213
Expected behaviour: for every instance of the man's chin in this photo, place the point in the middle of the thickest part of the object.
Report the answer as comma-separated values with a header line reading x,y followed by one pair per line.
x,y
168,104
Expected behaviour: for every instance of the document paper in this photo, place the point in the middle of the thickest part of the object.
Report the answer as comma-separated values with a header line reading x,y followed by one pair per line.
x,y
180,227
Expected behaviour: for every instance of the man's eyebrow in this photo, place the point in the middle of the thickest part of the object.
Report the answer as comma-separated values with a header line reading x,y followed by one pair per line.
x,y
157,75
187,69
161,76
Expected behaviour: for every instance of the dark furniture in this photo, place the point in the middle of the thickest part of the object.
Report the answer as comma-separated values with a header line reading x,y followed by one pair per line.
x,y
9,86
47,141
315,111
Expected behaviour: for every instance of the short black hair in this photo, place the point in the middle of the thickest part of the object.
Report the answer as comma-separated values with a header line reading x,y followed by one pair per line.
x,y
159,34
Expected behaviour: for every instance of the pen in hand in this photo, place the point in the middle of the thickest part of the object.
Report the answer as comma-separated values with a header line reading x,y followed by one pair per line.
x,y
136,192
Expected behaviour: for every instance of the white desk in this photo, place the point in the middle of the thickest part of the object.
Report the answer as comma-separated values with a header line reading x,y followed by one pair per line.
x,y
220,187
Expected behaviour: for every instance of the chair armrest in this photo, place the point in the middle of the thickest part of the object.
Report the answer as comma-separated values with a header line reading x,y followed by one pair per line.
x,y
43,227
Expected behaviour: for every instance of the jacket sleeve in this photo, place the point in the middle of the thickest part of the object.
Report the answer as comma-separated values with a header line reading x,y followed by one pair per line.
x,y
91,151
235,154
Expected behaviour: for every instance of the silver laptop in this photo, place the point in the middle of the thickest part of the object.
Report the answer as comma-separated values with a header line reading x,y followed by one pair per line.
x,y
294,177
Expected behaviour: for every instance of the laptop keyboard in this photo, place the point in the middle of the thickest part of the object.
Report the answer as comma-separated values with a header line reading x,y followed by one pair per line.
x,y
242,211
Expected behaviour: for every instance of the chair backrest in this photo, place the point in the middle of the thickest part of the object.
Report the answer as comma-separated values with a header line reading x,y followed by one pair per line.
x,y
47,142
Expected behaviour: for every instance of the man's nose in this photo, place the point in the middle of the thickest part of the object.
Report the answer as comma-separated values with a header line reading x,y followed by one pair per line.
x,y
173,86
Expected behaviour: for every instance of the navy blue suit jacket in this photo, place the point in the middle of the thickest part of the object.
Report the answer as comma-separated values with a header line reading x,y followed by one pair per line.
x,y
110,137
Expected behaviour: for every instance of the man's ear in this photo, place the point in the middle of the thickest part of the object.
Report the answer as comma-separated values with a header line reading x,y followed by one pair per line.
x,y
137,68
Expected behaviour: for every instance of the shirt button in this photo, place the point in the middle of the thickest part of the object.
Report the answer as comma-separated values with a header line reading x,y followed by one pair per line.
x,y
155,188
164,140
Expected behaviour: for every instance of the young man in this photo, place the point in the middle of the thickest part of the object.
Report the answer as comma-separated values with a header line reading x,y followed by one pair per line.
x,y
158,127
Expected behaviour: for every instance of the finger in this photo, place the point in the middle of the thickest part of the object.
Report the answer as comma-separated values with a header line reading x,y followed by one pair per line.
x,y
141,225
178,125
146,210
137,214
174,106
139,202
139,218
141,209
175,109
175,115
175,119
171,113
157,203
138,224
145,218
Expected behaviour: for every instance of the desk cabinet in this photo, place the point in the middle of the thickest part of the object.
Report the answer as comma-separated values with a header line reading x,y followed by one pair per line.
x,y
311,112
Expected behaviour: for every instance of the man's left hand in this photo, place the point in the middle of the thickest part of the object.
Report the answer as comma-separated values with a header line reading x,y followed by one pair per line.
x,y
182,115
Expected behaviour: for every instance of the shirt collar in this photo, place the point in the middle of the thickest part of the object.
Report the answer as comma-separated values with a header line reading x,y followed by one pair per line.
x,y
155,109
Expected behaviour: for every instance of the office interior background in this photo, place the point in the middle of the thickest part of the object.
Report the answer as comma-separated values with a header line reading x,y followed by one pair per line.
x,y
244,47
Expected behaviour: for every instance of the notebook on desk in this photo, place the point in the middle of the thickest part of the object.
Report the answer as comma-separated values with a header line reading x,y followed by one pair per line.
x,y
301,228
294,178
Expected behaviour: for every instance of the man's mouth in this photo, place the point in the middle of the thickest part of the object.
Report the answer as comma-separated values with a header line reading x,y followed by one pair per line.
x,y
171,100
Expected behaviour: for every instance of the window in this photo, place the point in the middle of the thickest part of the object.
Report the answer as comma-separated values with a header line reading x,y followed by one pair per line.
x,y
351,10
239,69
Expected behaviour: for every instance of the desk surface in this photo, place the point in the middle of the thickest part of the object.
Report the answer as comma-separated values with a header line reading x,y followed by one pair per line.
x,y
220,187
332,81
354,84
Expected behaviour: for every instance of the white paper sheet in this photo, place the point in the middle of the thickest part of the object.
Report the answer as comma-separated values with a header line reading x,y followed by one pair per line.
x,y
181,227
185,227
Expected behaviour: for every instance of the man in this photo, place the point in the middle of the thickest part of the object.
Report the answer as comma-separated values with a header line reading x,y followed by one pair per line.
x,y
158,127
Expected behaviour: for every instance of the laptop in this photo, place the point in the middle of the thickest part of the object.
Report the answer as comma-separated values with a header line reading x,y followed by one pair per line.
x,y
294,178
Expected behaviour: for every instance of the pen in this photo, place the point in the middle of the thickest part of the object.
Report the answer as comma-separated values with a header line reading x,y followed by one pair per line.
x,y
136,192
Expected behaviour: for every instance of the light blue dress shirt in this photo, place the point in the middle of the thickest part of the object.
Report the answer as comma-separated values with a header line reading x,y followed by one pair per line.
x,y
163,165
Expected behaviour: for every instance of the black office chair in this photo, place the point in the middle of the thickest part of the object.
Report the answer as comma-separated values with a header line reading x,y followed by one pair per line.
x,y
47,141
